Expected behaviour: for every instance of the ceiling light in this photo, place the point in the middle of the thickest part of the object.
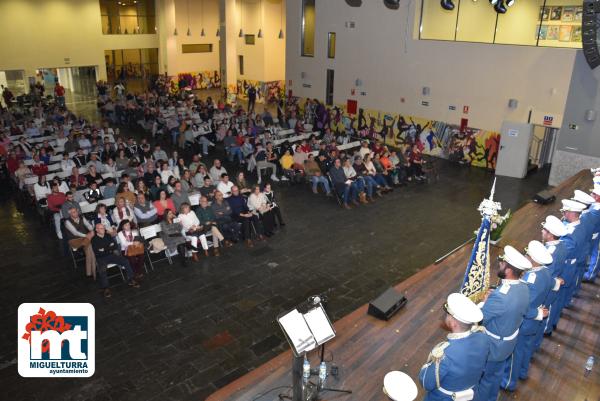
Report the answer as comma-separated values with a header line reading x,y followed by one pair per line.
x,y
447,5
499,7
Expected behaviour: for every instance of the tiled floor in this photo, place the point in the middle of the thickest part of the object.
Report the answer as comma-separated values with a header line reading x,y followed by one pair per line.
x,y
188,331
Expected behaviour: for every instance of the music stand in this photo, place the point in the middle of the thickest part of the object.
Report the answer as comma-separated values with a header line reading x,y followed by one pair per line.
x,y
305,332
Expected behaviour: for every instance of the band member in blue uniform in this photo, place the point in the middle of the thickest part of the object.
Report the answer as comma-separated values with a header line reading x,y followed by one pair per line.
x,y
588,221
455,366
503,313
539,281
577,240
552,230
593,218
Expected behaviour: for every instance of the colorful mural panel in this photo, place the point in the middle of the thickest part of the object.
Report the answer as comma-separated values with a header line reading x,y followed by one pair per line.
x,y
199,80
472,146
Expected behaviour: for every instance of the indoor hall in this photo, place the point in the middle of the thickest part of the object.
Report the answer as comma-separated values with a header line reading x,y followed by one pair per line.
x,y
200,199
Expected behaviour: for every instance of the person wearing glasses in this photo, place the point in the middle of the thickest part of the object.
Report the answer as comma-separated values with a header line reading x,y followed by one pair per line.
x,y
454,366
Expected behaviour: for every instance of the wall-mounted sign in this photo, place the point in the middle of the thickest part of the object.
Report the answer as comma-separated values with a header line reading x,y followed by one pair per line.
x,y
548,120
424,103
465,109
306,85
451,107
513,133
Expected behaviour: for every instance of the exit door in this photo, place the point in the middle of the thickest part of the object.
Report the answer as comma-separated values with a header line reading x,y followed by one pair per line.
x,y
513,156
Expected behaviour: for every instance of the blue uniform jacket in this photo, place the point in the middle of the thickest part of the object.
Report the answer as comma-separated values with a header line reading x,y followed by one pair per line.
x,y
540,282
574,242
556,268
503,314
461,367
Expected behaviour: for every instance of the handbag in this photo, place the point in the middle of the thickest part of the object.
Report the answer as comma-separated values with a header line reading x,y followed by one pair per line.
x,y
135,249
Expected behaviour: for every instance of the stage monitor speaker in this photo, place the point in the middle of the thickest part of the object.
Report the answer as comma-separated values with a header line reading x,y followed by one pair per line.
x,y
591,12
544,197
387,304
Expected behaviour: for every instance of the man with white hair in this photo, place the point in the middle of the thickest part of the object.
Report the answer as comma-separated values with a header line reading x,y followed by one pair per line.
x,y
540,282
552,231
455,366
503,313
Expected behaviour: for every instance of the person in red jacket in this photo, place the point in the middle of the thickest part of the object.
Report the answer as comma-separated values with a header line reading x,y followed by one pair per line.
x,y
38,168
12,162
55,201
59,94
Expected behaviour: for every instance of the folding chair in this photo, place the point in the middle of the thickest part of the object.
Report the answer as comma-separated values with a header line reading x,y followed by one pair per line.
x,y
149,233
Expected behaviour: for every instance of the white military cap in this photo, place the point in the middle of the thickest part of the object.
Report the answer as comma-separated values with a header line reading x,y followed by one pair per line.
x,y
538,252
554,226
399,386
582,197
572,206
596,190
463,309
595,171
516,258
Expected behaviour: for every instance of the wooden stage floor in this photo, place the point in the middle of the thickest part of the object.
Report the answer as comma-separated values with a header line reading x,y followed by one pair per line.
x,y
365,348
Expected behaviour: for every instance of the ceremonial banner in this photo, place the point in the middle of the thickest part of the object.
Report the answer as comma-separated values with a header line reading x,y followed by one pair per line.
x,y
477,276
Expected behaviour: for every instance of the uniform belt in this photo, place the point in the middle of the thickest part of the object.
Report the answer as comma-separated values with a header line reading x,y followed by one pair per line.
x,y
497,337
452,393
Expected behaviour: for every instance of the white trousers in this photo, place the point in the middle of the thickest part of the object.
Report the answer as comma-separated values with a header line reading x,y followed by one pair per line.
x,y
194,240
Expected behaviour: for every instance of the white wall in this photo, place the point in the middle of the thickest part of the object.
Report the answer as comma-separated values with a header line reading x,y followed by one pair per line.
x,y
392,65
194,62
41,34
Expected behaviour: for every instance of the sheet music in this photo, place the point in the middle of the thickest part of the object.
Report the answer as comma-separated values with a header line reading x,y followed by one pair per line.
x,y
319,325
297,331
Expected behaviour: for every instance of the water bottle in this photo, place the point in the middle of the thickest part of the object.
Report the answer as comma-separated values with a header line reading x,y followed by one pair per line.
x,y
322,374
305,370
589,364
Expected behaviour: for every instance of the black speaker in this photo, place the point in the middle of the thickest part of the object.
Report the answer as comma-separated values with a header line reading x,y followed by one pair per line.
x,y
544,197
589,28
387,304
392,4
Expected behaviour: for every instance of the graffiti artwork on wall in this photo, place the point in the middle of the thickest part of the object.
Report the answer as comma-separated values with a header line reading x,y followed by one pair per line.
x,y
199,80
269,92
472,146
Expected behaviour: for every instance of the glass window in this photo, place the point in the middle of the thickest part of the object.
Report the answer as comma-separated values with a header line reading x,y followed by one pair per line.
x,y
308,28
331,45
562,27
437,23
483,30
250,39
197,48
520,23
555,23
241,64
125,17
131,63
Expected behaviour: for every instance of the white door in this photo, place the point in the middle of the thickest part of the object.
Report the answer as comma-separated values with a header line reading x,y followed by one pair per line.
x,y
513,155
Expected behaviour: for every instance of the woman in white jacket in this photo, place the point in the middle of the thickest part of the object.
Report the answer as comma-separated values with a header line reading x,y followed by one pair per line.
x,y
123,211
128,236
192,230
258,203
